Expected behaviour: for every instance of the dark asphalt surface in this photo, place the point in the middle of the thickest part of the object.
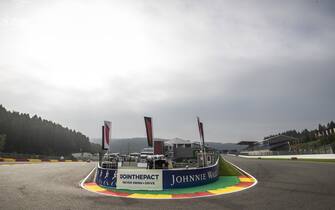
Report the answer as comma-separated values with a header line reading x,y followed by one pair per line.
x,y
282,185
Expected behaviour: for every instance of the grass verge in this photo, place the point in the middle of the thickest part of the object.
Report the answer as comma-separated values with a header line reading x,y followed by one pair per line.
x,y
225,169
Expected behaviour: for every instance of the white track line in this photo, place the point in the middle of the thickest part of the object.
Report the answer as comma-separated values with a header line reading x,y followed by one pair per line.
x,y
84,180
256,181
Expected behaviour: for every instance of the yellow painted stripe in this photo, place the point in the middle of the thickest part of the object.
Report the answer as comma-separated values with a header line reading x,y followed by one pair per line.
x,y
9,160
163,196
246,180
151,196
94,188
225,190
53,160
34,160
68,160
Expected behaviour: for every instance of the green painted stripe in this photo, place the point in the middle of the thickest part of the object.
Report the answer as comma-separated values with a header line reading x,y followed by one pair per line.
x,y
224,181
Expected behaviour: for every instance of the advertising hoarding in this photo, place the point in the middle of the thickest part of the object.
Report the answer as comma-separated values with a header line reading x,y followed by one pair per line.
x,y
175,178
156,179
139,179
106,177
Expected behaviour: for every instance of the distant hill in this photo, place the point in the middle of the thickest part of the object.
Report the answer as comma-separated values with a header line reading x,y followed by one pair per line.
x,y
126,145
226,146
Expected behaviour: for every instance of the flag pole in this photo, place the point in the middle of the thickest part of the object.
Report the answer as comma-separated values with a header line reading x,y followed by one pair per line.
x,y
153,143
201,141
150,138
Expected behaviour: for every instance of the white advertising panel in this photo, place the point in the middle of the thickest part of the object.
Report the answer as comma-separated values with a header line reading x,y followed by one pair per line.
x,y
139,179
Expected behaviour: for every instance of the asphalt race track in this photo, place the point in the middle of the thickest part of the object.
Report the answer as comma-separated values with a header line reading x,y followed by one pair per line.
x,y
281,185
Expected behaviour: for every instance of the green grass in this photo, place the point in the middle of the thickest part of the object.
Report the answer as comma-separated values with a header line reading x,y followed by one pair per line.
x,y
225,169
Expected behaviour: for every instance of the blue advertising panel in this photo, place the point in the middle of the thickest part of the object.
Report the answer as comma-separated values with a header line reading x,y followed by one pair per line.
x,y
172,178
106,177
189,177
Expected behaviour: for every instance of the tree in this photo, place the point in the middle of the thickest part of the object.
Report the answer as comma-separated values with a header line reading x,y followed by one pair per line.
x,y
331,125
2,142
34,135
320,128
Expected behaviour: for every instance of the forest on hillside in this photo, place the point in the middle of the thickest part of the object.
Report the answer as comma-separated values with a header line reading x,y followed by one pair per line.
x,y
21,133
325,134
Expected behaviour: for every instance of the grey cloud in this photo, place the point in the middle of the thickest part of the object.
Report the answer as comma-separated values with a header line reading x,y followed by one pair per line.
x,y
248,69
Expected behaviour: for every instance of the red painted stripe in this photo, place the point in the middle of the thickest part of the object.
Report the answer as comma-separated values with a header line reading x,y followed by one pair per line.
x,y
186,195
90,184
191,195
203,193
120,194
244,184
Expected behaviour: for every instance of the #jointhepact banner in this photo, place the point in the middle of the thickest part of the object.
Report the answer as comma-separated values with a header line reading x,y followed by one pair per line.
x,y
148,127
106,135
139,179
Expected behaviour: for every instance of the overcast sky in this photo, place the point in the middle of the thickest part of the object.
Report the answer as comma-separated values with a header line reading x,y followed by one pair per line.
x,y
247,68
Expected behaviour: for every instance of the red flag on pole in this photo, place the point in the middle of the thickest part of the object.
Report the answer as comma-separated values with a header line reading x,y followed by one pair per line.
x,y
106,134
201,131
103,137
198,120
148,127
202,140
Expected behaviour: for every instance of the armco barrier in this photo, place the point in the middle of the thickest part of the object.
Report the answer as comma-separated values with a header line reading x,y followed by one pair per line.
x,y
171,178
